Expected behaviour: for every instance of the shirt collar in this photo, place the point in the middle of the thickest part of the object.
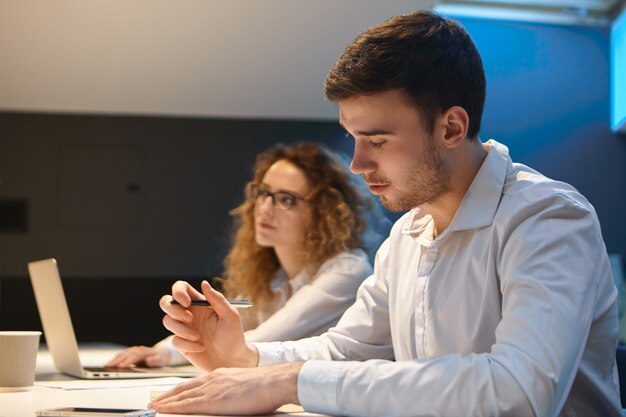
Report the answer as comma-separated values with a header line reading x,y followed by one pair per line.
x,y
280,280
480,203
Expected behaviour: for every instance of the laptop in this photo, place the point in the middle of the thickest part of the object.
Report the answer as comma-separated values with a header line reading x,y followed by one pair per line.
x,y
59,331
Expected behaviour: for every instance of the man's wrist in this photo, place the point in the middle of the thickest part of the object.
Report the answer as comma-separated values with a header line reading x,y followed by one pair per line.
x,y
284,380
250,357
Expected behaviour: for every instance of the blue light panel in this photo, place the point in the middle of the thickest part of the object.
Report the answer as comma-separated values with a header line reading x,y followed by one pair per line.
x,y
618,74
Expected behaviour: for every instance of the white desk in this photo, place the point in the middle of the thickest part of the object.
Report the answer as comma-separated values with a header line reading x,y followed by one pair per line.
x,y
24,404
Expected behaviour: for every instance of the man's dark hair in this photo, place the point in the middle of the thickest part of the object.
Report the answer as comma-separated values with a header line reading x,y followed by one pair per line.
x,y
429,57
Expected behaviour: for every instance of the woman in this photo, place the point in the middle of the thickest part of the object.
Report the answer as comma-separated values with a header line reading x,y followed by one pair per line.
x,y
297,253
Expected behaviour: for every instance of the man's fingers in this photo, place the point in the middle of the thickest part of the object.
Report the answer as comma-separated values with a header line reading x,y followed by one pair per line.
x,y
187,346
182,387
186,406
177,312
220,304
188,401
184,293
180,329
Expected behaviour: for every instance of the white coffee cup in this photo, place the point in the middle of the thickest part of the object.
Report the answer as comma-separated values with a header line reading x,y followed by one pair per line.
x,y
18,358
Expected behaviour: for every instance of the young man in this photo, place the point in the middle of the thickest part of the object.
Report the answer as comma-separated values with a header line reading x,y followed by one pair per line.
x,y
493,296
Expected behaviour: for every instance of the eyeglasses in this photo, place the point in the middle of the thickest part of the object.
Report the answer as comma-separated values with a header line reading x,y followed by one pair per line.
x,y
281,199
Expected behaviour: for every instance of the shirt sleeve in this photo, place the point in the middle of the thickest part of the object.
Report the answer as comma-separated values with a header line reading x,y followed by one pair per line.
x,y
317,306
554,284
556,288
362,332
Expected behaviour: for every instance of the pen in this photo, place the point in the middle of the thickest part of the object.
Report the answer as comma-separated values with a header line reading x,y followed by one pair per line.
x,y
236,303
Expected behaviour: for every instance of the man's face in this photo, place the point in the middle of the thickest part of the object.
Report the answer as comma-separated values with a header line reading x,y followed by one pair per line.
x,y
398,158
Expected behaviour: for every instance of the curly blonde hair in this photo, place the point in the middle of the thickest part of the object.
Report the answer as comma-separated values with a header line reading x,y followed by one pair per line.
x,y
335,220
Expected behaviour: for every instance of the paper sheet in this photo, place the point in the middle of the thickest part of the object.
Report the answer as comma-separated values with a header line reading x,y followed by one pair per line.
x,y
110,383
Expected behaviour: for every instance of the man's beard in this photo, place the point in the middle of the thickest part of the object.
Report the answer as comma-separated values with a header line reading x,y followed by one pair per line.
x,y
425,184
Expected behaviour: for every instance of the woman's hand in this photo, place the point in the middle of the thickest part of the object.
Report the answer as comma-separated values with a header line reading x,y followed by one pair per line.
x,y
140,355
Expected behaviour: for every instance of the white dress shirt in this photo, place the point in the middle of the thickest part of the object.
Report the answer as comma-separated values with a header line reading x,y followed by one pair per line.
x,y
306,305
511,311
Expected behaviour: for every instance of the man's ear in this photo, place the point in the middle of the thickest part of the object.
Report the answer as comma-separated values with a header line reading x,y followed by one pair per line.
x,y
454,123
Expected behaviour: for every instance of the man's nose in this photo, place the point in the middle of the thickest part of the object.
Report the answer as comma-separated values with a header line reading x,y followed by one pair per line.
x,y
361,162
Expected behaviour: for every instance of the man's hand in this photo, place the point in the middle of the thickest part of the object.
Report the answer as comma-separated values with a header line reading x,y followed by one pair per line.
x,y
209,337
234,391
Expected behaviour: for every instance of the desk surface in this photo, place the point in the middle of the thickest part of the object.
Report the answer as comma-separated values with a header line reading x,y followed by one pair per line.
x,y
24,404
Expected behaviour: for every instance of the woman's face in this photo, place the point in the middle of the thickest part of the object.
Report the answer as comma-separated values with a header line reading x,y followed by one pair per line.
x,y
277,226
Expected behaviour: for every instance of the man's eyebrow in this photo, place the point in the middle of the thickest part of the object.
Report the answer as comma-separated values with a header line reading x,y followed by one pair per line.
x,y
373,132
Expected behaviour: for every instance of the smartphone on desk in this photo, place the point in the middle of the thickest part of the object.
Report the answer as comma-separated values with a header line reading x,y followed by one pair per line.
x,y
94,412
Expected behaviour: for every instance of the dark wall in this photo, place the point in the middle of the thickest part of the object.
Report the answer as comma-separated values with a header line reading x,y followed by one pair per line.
x,y
131,196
